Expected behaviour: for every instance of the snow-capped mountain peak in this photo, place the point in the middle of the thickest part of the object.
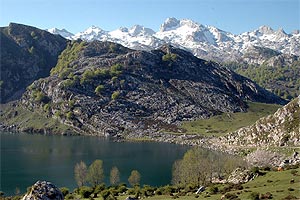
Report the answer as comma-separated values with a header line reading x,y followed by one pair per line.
x,y
265,30
63,32
169,24
91,33
138,30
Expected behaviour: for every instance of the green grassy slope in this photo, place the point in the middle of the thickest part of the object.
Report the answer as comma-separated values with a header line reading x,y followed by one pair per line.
x,y
228,122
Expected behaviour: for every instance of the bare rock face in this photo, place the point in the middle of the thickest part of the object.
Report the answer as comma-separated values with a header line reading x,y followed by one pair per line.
x,y
280,129
43,190
240,176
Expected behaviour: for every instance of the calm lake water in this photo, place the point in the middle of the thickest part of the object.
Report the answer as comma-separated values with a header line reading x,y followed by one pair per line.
x,y
27,158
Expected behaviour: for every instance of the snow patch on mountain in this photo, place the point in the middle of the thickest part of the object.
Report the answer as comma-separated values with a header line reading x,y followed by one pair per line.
x,y
63,32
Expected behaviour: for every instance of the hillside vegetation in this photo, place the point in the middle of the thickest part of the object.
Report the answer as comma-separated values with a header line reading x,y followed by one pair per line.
x,y
229,122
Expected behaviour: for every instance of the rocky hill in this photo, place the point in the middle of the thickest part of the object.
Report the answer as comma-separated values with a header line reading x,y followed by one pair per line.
x,y
27,54
280,129
103,88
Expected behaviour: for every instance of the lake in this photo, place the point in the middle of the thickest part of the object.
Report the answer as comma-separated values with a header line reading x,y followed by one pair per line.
x,y
27,158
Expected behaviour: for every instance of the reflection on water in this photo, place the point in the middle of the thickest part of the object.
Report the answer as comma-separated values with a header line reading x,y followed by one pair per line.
x,y
28,158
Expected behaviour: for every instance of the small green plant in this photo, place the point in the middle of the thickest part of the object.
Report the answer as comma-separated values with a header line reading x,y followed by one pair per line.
x,y
115,95
254,196
69,115
169,57
64,191
46,107
294,172
116,70
99,89
213,190
85,191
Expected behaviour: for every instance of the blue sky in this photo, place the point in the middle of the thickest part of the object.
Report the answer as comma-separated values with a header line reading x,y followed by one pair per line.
x,y
235,16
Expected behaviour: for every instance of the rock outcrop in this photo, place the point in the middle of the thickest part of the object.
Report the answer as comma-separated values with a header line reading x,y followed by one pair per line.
x,y
280,129
43,190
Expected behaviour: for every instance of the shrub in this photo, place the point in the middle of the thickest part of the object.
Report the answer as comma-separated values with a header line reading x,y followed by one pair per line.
x,y
40,97
291,189
254,196
169,57
69,196
294,172
147,191
213,190
64,191
116,70
99,188
268,195
98,89
290,197
255,170
115,95
46,107
231,196
85,191
69,115
105,194
122,189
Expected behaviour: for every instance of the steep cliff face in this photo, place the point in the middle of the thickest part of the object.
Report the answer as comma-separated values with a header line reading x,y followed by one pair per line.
x,y
27,54
280,129
104,88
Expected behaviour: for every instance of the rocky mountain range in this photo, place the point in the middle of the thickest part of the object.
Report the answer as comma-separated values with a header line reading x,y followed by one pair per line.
x,y
27,54
206,42
103,88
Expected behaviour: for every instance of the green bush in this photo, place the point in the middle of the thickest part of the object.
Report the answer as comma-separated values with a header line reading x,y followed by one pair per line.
x,y
169,57
116,70
70,54
98,89
115,95
40,97
213,190
69,115
64,191
290,197
99,188
254,196
70,196
147,191
231,196
85,191
294,172
268,195
105,194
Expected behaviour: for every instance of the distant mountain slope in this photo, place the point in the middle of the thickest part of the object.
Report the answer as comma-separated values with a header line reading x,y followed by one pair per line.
x,y
277,72
279,129
104,88
27,54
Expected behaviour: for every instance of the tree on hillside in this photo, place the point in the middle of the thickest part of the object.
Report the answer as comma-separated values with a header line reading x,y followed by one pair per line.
x,y
80,172
114,176
134,178
96,173
198,167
